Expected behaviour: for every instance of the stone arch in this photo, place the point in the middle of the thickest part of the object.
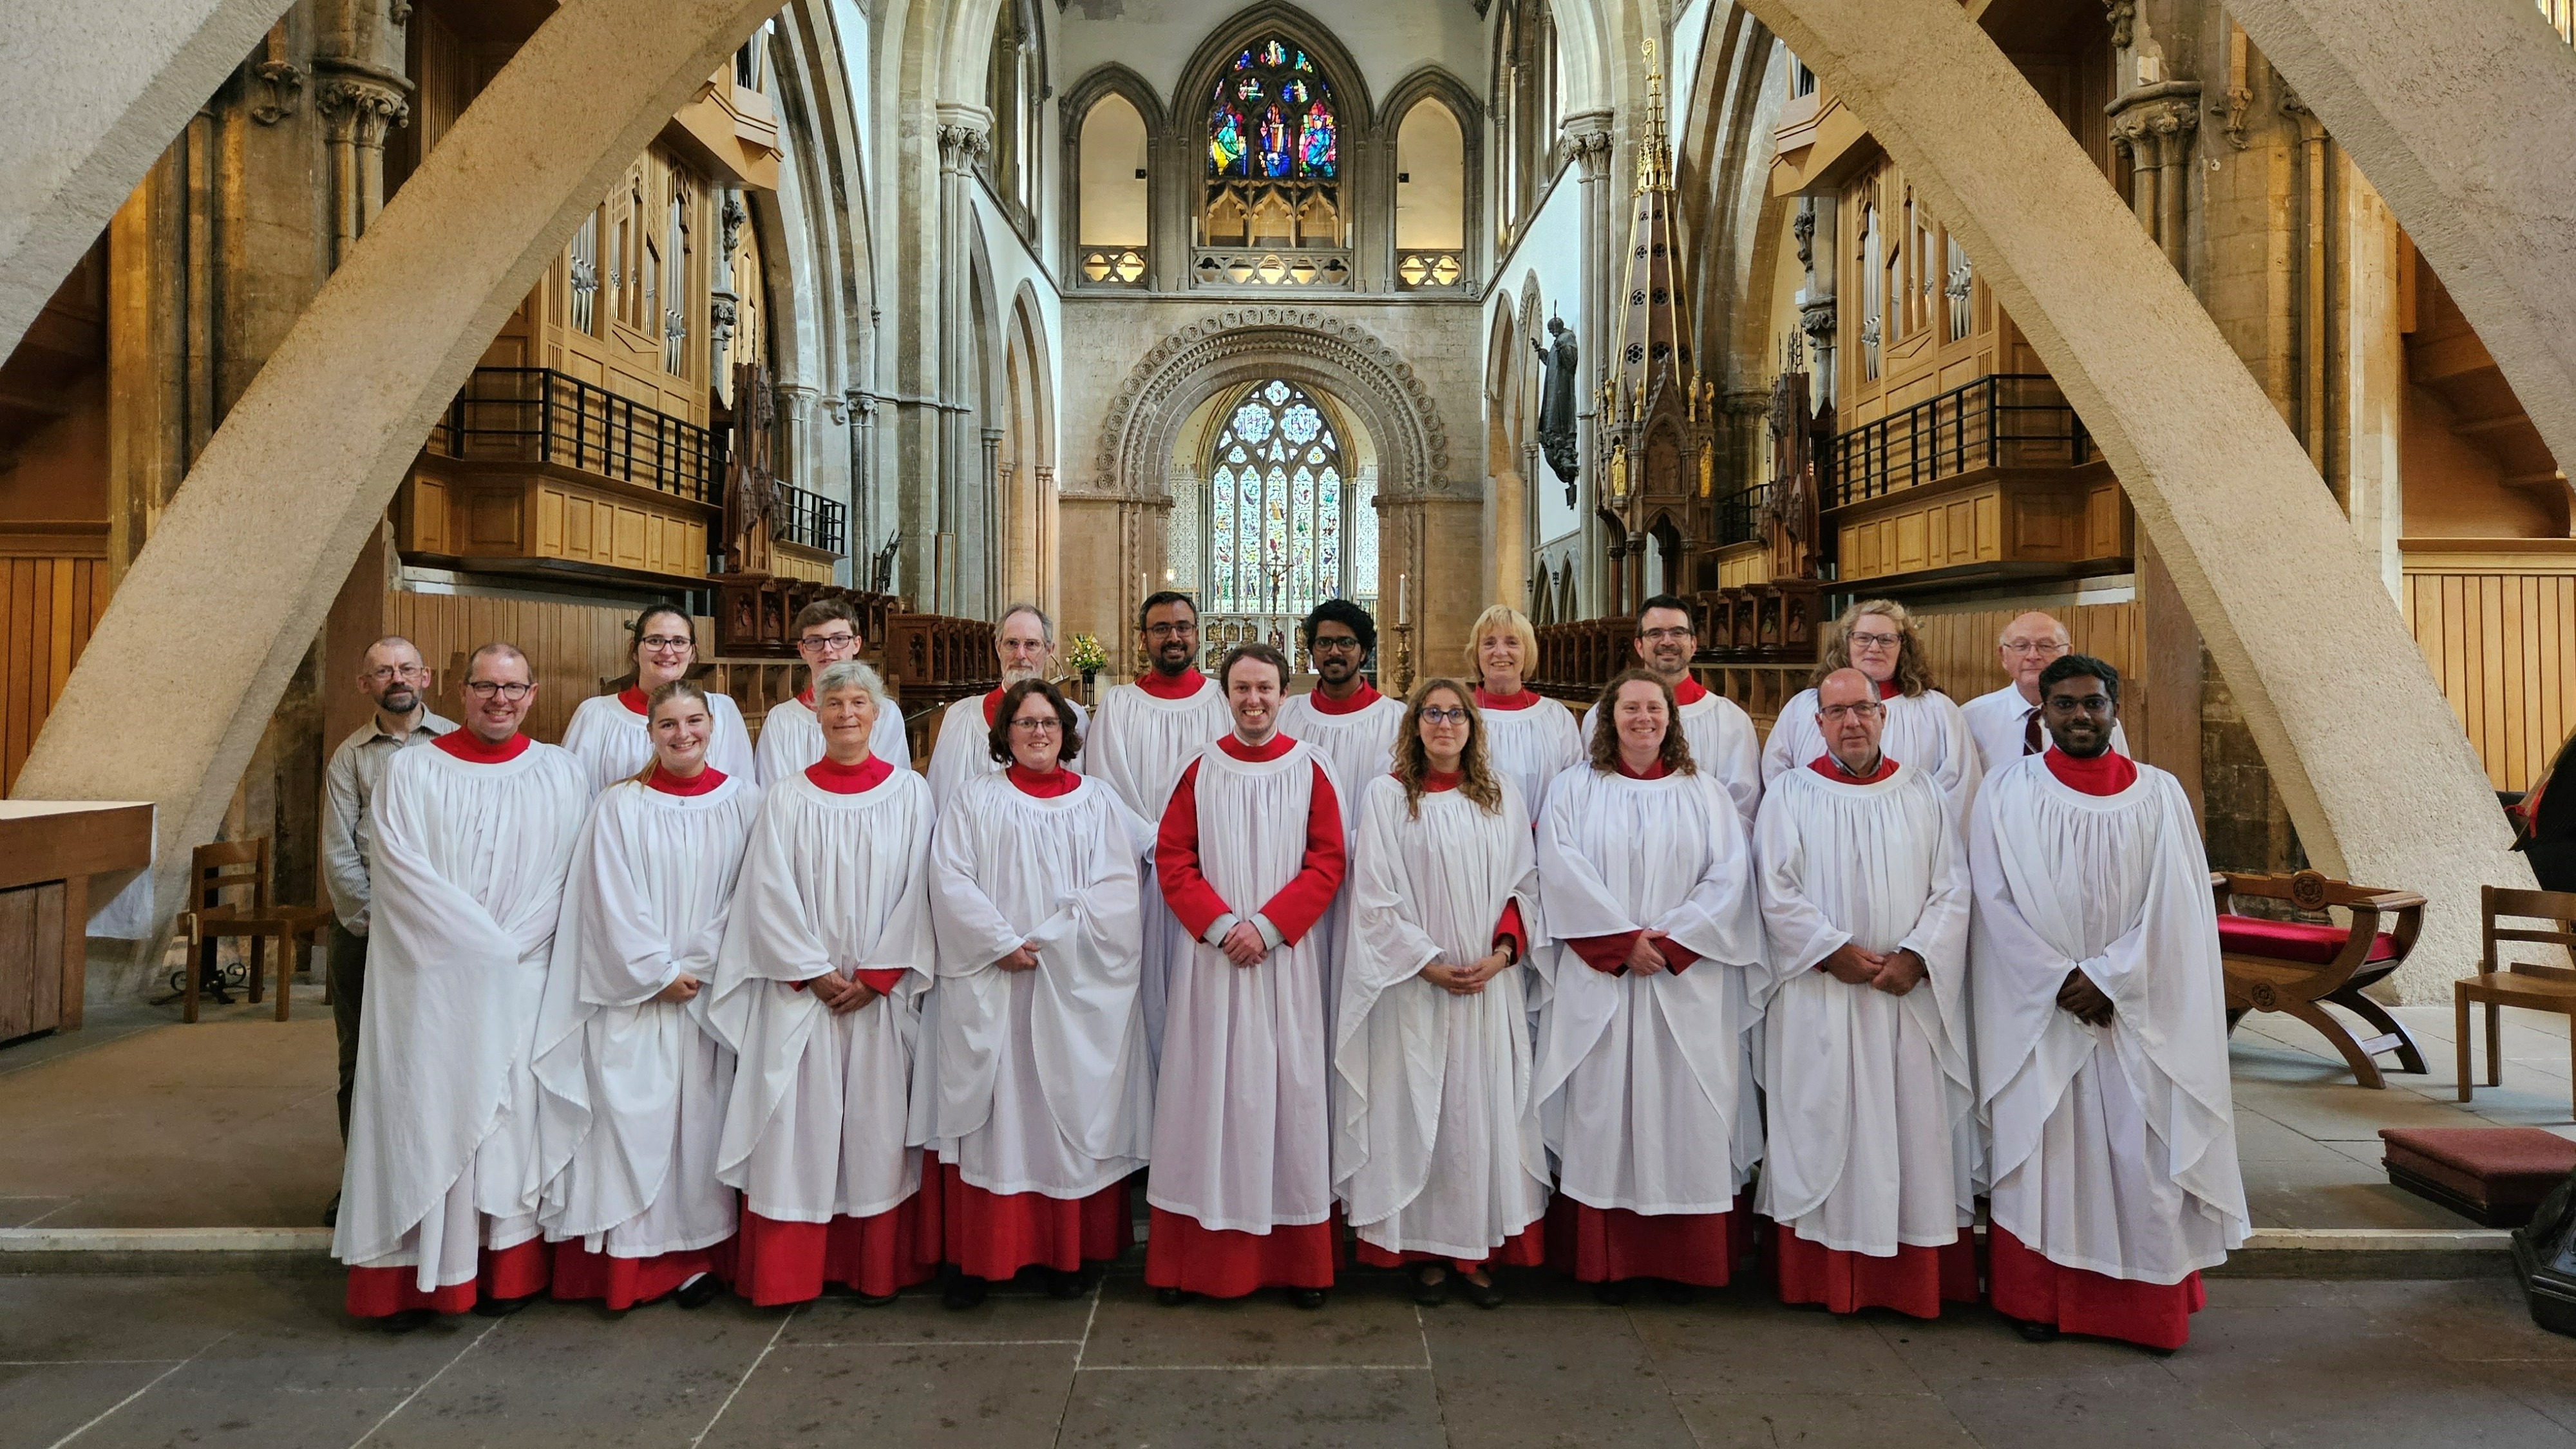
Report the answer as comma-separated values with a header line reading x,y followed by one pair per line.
x,y
1029,531
1073,112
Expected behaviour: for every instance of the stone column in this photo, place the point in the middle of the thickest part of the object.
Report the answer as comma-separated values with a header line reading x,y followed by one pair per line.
x,y
2154,126
722,300
997,517
965,137
1816,231
358,107
1043,536
795,432
865,536
1587,135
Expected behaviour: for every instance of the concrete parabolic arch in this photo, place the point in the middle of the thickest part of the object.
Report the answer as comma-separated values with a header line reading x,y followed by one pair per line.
x,y
2375,771
268,522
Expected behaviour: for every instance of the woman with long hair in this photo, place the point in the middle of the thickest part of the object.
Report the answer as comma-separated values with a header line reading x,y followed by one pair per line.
x,y
609,733
1924,728
1526,735
1437,1154
635,1079
1646,881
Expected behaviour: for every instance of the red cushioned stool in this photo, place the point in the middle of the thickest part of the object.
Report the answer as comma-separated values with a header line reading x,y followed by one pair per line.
x,y
2492,1175
2294,967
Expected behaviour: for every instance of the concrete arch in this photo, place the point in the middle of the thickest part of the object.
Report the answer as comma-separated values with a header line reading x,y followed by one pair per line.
x,y
2367,756
259,537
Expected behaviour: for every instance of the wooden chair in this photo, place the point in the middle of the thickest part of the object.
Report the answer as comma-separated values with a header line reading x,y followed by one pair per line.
x,y
2536,988
2293,967
242,865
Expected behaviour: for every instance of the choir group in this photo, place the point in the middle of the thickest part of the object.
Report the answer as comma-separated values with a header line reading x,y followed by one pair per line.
x,y
1432,985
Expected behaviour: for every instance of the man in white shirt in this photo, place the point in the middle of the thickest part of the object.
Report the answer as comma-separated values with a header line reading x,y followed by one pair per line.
x,y
2006,723
391,676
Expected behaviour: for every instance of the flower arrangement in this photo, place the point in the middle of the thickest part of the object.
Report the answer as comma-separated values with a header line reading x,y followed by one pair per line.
x,y
1084,653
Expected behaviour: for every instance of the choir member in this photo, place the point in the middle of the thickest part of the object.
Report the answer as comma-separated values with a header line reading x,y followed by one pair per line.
x,y
1437,1155
1144,733
2101,1033
1877,637
609,734
1719,732
473,836
1250,853
827,632
1527,735
2005,723
818,990
1645,879
635,1077
1864,889
1043,1103
1024,643
1343,717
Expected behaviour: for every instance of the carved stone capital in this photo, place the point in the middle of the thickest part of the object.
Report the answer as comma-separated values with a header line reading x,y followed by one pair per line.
x,y
1588,142
1816,319
863,406
283,81
733,216
2153,123
361,110
721,317
1803,227
962,142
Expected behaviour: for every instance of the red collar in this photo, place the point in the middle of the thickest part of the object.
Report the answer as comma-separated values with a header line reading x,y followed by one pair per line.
x,y
1058,781
993,705
1521,699
1361,698
805,696
1654,771
1689,691
1187,684
1435,781
670,784
1831,768
1889,689
1233,745
2107,773
855,779
469,747
633,698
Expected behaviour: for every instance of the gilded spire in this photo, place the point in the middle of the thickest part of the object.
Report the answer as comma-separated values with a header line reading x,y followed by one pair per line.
x,y
1652,388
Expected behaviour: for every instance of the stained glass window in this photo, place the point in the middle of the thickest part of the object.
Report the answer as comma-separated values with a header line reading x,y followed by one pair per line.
x,y
1283,531
1272,116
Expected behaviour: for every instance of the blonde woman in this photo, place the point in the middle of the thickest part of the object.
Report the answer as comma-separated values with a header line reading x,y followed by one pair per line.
x,y
1924,729
609,734
1437,1155
1527,736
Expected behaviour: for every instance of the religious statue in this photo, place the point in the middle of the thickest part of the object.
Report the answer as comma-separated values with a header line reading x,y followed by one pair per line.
x,y
1556,404
1789,520
750,486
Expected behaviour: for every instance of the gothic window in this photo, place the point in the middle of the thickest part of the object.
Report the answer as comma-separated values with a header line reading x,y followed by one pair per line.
x,y
1274,153
1526,111
1287,525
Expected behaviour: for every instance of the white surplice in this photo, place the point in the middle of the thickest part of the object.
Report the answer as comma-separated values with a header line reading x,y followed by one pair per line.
x,y
1871,1102
1639,1077
817,1124
963,750
1360,745
1436,1140
615,743
636,1088
1242,1130
2113,1148
1999,721
1722,746
1138,745
1042,1083
1535,745
1922,730
468,880
791,739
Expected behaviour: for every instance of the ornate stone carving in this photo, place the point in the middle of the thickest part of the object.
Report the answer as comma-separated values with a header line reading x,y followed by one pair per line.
x,y
361,110
1816,319
1804,229
2239,101
285,81
733,216
2146,119
962,143
2123,15
398,11
721,316
1590,149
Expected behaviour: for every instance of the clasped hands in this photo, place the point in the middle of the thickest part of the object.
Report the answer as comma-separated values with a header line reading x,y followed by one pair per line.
x,y
1469,979
2080,998
1896,973
841,991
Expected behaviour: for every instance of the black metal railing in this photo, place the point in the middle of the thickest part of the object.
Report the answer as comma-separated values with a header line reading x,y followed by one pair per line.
x,y
809,519
2008,420
1739,517
539,415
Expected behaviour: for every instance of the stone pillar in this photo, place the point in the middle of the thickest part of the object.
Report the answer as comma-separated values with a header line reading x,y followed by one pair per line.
x,y
965,137
2154,126
1816,231
723,301
1044,531
865,536
359,107
2312,211
795,432
997,510
1587,135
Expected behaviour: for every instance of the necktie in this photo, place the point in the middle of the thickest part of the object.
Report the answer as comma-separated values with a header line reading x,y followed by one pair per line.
x,y
2031,743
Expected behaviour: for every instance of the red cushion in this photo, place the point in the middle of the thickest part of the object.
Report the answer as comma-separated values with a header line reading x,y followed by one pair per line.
x,y
2293,940
2484,1164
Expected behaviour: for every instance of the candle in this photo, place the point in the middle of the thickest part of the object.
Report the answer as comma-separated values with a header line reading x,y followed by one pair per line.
x,y
1403,612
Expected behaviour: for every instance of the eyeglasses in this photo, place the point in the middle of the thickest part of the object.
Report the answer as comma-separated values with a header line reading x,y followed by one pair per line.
x,y
2049,647
666,641
1665,636
1875,641
1044,725
1171,631
820,643
1444,716
1840,712
485,689
384,672
1335,646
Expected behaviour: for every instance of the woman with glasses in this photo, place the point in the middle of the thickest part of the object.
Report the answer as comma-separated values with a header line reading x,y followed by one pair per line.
x,y
1646,881
1043,1103
827,632
1924,728
1437,1155
818,990
1526,735
609,734
636,1079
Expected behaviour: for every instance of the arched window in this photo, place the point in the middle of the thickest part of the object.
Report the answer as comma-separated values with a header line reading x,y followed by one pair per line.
x,y
1274,164
1287,526
1430,197
1111,203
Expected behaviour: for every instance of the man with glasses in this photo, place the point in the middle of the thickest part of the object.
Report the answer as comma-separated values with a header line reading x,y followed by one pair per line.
x,y
473,837
827,632
392,677
1719,732
2006,724
1876,637
962,753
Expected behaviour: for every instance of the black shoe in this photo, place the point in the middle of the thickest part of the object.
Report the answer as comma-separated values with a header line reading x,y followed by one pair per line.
x,y
2035,1331
501,1307
964,1291
698,1292
1173,1297
1488,1294
873,1300
1062,1284
407,1320
1306,1298
1672,1292
1429,1291
1616,1292
331,1213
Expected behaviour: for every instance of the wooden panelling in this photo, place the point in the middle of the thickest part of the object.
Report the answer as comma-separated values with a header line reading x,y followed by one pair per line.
x,y
1739,564
48,606
2011,517
31,959
500,513
2500,638
793,561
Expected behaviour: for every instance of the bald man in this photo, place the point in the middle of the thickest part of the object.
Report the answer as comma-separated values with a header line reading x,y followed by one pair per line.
x,y
2006,723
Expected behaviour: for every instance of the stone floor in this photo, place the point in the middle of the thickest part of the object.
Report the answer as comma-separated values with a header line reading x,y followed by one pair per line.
x,y
102,1363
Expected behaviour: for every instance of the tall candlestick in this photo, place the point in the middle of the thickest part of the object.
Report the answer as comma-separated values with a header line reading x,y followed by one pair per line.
x,y
1403,610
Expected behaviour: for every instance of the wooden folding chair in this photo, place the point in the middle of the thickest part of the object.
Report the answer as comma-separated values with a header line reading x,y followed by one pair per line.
x,y
243,865
2538,988
2294,967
